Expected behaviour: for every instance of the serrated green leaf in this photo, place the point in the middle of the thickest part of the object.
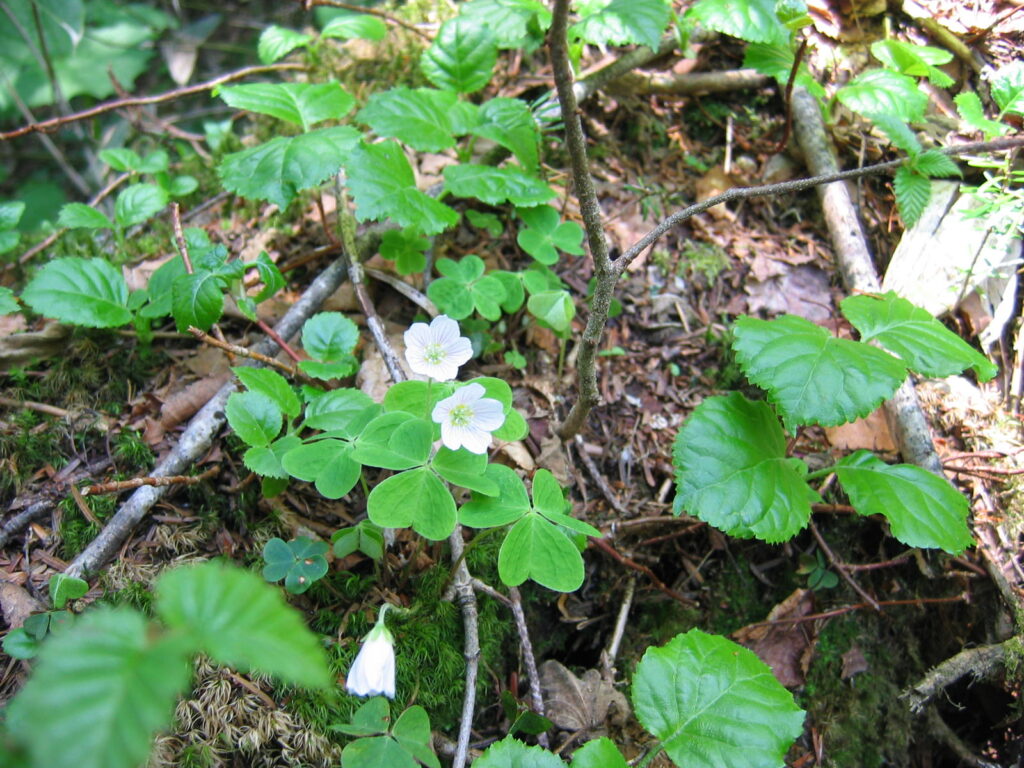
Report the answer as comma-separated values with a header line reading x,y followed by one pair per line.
x,y
266,460
121,159
972,112
414,498
776,60
1007,86
912,190
510,123
138,203
923,509
515,23
811,376
100,691
882,92
732,471
89,292
255,418
10,213
279,169
271,384
914,60
899,133
506,506
536,549
556,308
7,302
329,336
304,104
752,20
510,753
933,163
270,276
496,185
154,162
82,216
384,187
237,619
338,369
461,57
623,22
598,753
355,26
925,344
419,118
277,42
714,704
197,299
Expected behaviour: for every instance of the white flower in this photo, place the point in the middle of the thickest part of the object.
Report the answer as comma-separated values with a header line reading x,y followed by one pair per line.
x,y
437,350
373,671
467,419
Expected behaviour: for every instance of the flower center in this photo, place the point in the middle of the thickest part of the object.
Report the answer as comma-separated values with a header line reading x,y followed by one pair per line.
x,y
434,353
461,416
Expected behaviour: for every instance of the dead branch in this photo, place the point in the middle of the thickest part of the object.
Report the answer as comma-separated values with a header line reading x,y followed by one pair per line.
x,y
116,486
981,662
690,84
462,584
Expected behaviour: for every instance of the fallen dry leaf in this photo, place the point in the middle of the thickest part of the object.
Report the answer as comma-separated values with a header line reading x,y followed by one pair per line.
x,y
580,704
785,646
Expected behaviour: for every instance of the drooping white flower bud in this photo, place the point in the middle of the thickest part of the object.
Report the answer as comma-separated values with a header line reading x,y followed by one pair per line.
x,y
373,671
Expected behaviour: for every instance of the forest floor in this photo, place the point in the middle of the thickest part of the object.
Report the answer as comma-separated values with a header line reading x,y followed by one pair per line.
x,y
103,405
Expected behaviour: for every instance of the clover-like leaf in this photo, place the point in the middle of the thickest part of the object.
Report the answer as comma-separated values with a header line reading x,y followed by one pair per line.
x,y
714,704
462,56
406,247
811,376
239,620
464,287
420,118
556,308
327,463
732,471
506,506
279,169
465,469
624,22
925,344
300,562
89,292
64,588
394,440
304,104
496,185
7,301
536,549
384,187
415,498
365,536
545,234
923,509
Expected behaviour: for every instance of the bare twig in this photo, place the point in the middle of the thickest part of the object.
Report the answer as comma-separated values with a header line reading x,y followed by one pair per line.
x,y
598,478
979,662
53,124
117,486
179,237
49,410
528,658
841,567
234,349
609,550
609,654
463,586
416,297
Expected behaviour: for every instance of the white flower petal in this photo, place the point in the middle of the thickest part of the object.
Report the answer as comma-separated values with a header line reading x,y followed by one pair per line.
x,y
469,393
476,440
444,330
488,414
373,671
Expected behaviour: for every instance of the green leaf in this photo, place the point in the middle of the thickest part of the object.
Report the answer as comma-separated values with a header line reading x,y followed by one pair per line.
x,y
510,123
496,185
510,753
1007,86
506,506
811,376
197,299
515,294
376,751
19,644
973,113
329,336
394,440
7,302
270,276
451,297
415,397
356,25
414,498
925,344
732,471
776,60
64,588
461,57
935,164
326,463
546,234
277,42
100,692
515,428
266,460
183,185
923,509
914,60
373,717
87,292
465,287
714,704
138,203
536,549
299,562
881,92
254,417
271,384
488,222
913,191
598,753
154,162
406,248
279,169
238,620
419,118
899,133
752,20
465,469
10,213
304,104
623,22
549,502
515,23
82,216
338,369
346,411
366,537
121,159
384,187
412,731
556,308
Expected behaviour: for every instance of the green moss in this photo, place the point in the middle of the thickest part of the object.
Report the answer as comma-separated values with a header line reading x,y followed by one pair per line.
x,y
736,598
129,446
196,756
76,531
134,594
